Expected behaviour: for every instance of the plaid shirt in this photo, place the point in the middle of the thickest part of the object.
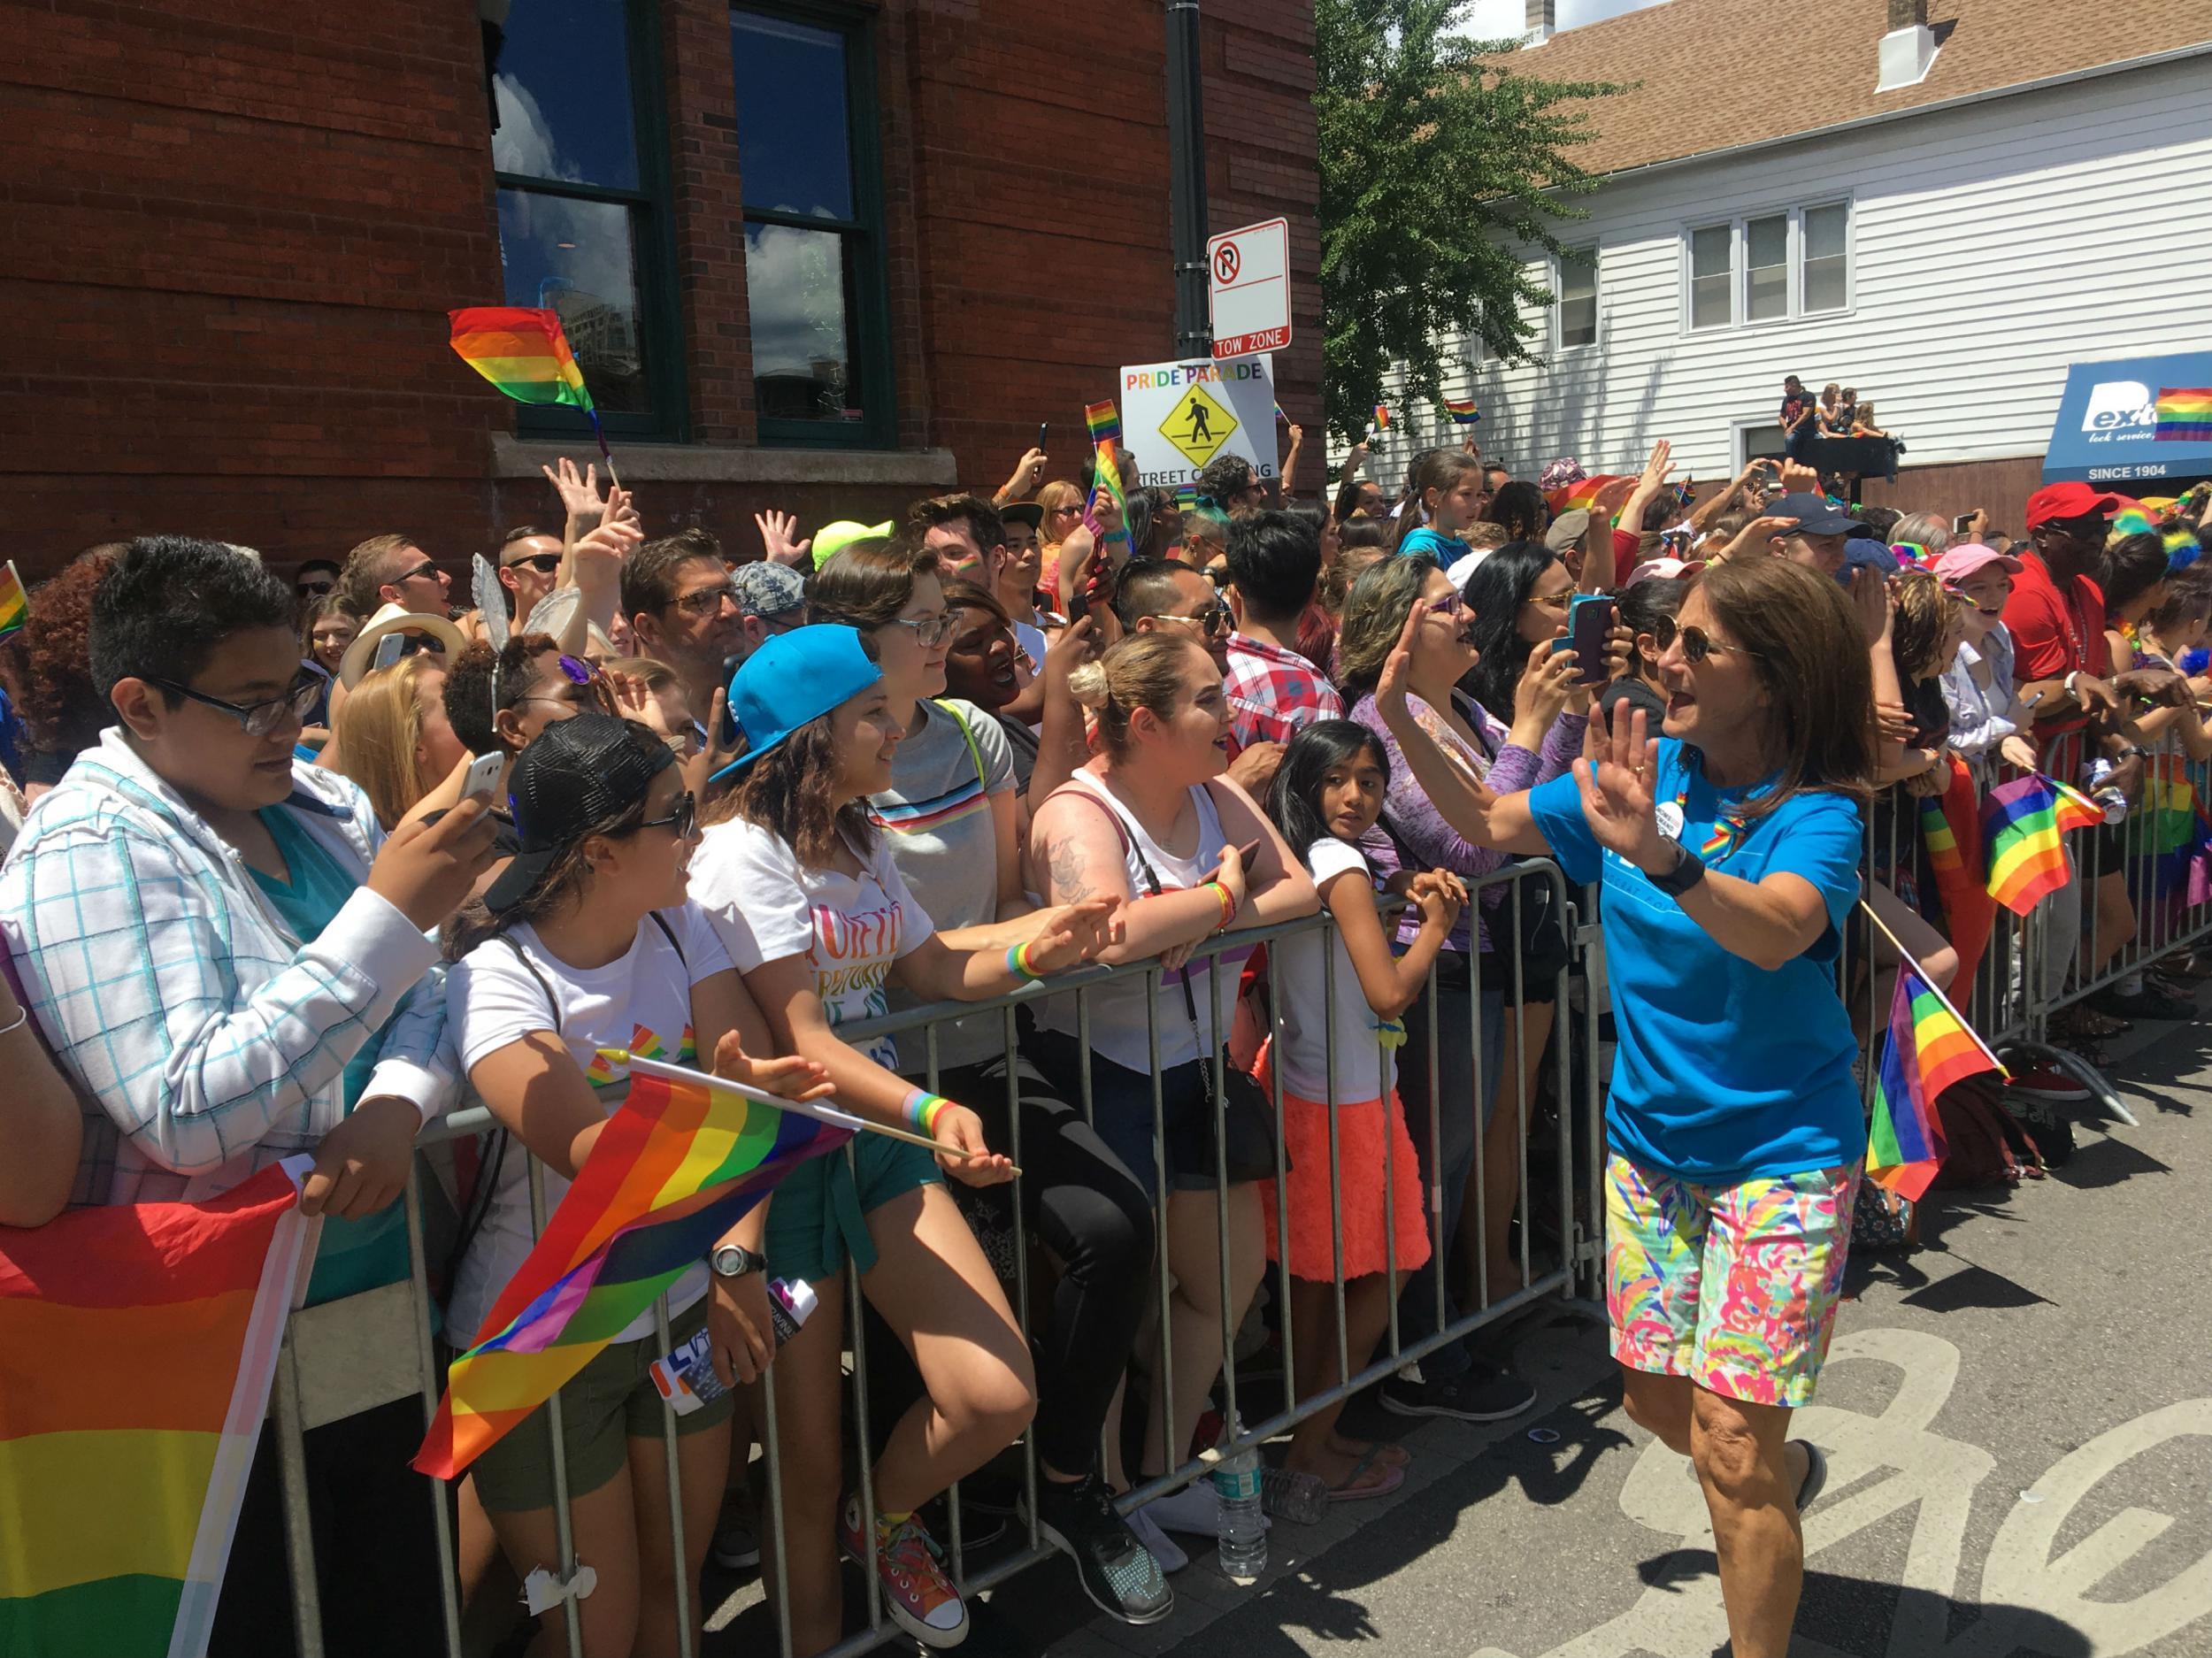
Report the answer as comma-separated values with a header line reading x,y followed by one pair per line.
x,y
204,1041
1274,694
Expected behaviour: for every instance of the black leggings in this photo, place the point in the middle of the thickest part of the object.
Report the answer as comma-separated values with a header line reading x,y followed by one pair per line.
x,y
1081,1202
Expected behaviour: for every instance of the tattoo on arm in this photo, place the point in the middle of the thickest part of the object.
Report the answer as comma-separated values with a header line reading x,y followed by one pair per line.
x,y
1064,860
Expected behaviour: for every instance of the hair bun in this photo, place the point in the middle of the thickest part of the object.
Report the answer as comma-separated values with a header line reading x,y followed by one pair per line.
x,y
1087,683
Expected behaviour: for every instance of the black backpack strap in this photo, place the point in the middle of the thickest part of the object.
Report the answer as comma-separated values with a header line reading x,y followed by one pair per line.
x,y
669,933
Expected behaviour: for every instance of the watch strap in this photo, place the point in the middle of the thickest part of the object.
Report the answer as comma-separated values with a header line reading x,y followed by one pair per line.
x,y
1688,871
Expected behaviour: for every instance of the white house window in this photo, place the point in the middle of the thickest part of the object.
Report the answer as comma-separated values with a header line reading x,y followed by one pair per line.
x,y
1767,267
1578,290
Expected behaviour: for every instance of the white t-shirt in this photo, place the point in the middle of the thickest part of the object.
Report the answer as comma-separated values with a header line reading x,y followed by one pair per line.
x,y
641,1001
766,907
1303,985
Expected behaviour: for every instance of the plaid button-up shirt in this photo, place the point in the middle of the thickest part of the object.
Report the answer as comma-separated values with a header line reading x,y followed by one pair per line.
x,y
1274,694
205,1041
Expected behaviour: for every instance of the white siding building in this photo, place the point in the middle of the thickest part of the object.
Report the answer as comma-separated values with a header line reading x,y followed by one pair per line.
x,y
1949,257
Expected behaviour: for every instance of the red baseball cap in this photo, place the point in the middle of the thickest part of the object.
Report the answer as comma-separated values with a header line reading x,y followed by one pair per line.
x,y
2071,501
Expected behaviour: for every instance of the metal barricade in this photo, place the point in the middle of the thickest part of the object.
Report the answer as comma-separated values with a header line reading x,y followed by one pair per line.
x,y
1569,1268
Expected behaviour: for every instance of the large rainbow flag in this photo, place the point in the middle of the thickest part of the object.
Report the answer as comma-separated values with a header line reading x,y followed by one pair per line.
x,y
681,1161
522,352
2022,823
2185,413
1928,1051
1950,826
136,1347
15,604
2176,829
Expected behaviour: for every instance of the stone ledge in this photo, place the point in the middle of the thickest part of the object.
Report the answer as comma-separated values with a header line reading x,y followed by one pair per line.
x,y
669,462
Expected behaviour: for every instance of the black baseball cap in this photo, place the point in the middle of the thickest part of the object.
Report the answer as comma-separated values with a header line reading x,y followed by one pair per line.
x,y
574,775
1816,515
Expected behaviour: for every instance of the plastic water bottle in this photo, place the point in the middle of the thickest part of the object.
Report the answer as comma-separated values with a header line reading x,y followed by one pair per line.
x,y
1240,1532
2115,804
791,1303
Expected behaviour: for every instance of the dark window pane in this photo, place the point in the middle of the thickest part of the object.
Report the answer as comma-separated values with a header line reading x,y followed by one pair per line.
x,y
799,285
580,258
1827,258
561,86
793,147
1767,268
1579,298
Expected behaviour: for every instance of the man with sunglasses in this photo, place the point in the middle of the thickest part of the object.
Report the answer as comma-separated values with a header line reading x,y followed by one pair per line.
x,y
316,578
683,611
392,570
529,563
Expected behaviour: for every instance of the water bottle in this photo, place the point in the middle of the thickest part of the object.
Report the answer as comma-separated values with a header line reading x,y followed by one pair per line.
x,y
791,1303
2115,804
1241,1531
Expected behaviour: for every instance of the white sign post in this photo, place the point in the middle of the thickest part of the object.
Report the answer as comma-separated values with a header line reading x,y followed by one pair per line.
x,y
1177,417
1247,288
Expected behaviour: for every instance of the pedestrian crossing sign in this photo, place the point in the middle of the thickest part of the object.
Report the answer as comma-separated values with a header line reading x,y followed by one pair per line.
x,y
1198,425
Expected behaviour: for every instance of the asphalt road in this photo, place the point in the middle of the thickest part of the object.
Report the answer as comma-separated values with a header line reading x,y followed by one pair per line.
x,y
2019,1419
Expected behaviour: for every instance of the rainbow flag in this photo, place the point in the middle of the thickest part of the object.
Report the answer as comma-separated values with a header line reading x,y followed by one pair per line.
x,y
1950,825
1382,418
15,604
1928,1051
1186,497
2022,825
684,1159
2176,829
2185,413
1103,419
521,351
137,1344
1463,411
1105,424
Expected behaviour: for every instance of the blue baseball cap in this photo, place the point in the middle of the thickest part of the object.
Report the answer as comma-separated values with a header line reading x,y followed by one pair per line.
x,y
792,678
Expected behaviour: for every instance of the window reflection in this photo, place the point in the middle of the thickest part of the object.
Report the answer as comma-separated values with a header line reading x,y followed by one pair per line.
x,y
794,151
578,258
798,287
561,93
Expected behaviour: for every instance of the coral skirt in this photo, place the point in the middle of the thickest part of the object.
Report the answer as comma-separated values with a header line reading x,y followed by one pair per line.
x,y
1363,1129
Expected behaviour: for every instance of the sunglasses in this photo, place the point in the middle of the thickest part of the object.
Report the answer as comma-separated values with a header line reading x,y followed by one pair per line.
x,y
707,600
314,589
1697,644
544,564
1214,618
428,567
683,817
258,719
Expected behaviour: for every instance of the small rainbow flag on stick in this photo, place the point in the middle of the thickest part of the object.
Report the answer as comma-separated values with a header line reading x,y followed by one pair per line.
x,y
123,1498
15,604
525,353
2022,825
2185,413
1462,411
1104,422
681,1162
1382,416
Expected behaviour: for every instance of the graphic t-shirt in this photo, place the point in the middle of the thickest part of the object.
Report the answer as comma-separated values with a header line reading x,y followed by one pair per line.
x,y
640,1000
1300,974
765,906
1726,1071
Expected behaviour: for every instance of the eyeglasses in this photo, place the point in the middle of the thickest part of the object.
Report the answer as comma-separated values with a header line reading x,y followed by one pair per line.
x,y
707,600
1696,643
929,631
258,719
1553,602
1214,618
544,564
683,817
428,567
1454,604
314,589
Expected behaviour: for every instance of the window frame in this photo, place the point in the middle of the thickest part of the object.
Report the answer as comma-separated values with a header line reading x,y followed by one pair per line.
x,y
870,311
1557,308
1737,226
653,244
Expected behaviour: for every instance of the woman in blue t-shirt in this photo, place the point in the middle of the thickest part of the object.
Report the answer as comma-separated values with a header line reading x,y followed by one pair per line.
x,y
1729,853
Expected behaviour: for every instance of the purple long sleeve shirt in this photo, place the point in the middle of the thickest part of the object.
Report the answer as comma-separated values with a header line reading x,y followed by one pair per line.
x,y
1420,838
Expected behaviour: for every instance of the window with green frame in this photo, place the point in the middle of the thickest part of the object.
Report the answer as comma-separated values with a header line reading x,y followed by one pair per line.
x,y
814,276
579,155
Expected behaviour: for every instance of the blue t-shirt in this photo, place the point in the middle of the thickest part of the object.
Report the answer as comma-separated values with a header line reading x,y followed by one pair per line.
x,y
354,1255
1726,1072
1446,550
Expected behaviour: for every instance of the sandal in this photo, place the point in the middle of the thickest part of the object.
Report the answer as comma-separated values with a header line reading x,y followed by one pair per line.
x,y
1358,1486
1816,1475
1389,1453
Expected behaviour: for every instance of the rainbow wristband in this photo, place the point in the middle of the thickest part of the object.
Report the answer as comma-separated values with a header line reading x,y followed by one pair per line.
x,y
1228,905
923,1108
1017,963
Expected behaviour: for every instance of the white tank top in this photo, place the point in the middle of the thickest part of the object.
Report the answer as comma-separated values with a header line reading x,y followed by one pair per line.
x,y
1118,1025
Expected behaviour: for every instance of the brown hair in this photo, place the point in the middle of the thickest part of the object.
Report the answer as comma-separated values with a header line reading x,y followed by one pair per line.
x,y
330,604
1374,616
378,729
1440,470
363,572
867,584
48,670
968,596
1924,616
982,519
648,574
790,791
1810,657
1142,671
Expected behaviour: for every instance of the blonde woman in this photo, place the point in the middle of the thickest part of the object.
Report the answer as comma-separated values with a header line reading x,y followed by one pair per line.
x,y
393,738
1063,504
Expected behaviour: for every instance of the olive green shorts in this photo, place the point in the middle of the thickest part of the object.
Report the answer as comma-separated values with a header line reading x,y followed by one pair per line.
x,y
605,1405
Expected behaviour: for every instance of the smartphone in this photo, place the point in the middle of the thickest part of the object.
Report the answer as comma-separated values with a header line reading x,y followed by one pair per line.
x,y
1959,524
483,776
1589,630
1043,426
389,649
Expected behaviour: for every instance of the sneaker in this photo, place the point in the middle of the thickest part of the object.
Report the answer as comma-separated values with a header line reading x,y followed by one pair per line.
x,y
734,1545
2146,1004
2048,1082
1157,1543
1483,1393
921,1599
1114,1567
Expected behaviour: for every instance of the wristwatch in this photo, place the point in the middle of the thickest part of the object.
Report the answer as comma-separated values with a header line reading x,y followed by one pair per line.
x,y
1688,871
735,1261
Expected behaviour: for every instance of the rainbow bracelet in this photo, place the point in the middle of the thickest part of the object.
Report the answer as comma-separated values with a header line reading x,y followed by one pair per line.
x,y
1017,963
923,1108
1228,905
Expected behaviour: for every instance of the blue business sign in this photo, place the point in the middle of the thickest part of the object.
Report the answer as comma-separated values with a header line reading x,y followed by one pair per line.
x,y
2108,423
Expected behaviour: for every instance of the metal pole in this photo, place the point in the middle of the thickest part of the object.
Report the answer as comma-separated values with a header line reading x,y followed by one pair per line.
x,y
1187,173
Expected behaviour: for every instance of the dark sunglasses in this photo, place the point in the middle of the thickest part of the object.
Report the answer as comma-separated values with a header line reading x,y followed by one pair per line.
x,y
683,817
1696,643
428,567
258,719
544,564
315,590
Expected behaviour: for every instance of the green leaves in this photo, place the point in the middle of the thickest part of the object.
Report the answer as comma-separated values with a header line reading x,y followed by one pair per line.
x,y
1441,174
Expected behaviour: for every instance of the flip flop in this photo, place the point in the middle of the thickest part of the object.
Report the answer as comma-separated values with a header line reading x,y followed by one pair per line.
x,y
1389,1453
1352,1490
1816,1475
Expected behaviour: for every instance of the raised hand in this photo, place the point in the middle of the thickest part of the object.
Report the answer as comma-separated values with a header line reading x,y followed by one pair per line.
x,y
1798,478
1875,601
426,872
1397,672
579,491
1656,468
1756,537
1616,779
1547,684
779,536
1028,473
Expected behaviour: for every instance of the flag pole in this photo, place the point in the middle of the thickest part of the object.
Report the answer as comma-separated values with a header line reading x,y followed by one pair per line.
x,y
803,1107
1965,1024
605,454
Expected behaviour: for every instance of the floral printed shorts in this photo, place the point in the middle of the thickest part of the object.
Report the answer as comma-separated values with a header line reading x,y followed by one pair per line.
x,y
1733,1287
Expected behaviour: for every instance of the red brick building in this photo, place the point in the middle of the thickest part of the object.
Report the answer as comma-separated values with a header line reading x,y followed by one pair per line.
x,y
820,256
